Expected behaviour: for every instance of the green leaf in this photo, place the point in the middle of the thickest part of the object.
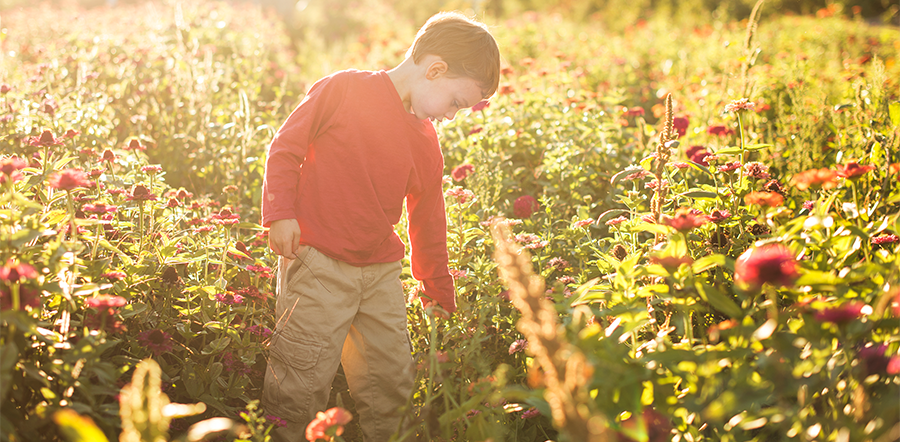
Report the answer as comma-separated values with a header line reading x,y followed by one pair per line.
x,y
718,300
216,345
707,262
702,194
817,277
894,109
731,150
652,228
78,428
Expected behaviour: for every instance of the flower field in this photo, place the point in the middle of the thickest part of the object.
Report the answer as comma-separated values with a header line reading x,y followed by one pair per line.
x,y
659,229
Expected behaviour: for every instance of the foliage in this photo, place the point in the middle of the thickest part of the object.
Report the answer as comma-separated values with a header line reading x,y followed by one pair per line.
x,y
702,267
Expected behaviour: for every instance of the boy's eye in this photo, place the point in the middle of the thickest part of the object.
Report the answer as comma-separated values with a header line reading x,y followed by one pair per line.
x,y
456,104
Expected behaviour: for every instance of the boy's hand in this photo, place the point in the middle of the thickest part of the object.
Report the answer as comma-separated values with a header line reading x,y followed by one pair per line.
x,y
284,237
428,303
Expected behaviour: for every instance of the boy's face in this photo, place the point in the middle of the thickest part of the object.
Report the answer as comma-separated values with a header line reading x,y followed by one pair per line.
x,y
441,96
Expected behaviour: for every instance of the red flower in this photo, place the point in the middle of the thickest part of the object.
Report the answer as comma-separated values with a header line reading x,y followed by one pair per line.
x,y
728,167
844,313
633,112
229,298
680,124
140,193
721,131
770,199
5,88
773,264
525,206
697,154
152,170
10,167
684,220
157,341
114,276
885,239
104,302
135,144
69,179
481,105
108,155
99,208
326,421
28,297
46,138
462,195
739,105
853,170
815,178
462,171
718,216
873,360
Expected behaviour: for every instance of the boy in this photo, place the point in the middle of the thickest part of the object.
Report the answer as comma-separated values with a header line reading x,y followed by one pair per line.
x,y
337,174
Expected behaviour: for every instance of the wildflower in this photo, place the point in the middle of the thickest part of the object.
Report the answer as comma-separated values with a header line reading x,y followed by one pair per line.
x,y
770,199
619,252
481,105
684,220
328,422
5,88
28,297
69,179
71,133
739,105
506,90
648,219
773,264
530,413
680,124
728,167
462,195
234,364
757,170
531,241
99,208
844,313
229,298
617,220
16,272
9,169
655,184
815,179
718,215
108,155
458,274
141,193
720,131
671,262
204,229
152,170
680,164
260,330
885,239
525,206
808,205
462,171
114,275
566,280
135,144
183,194
583,222
156,340
45,139
105,302
558,263
517,346
173,203
853,170
225,217
637,175
697,154
279,422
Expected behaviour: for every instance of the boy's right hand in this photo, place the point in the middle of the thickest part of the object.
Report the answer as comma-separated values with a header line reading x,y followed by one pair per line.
x,y
284,237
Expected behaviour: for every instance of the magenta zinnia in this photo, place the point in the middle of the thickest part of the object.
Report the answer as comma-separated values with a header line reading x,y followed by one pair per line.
x,y
157,341
684,220
773,264
69,179
739,105
525,206
462,171
15,272
885,239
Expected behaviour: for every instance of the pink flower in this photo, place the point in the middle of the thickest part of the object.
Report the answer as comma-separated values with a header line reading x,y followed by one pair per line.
x,y
718,216
517,346
757,170
69,179
481,105
728,167
10,167
853,170
684,220
844,313
583,222
773,264
15,272
633,112
152,170
104,302
525,206
99,208
462,195
279,422
259,269
156,340
229,298
141,193
617,220
28,297
885,239
114,276
46,138
462,171
135,144
530,413
108,155
808,205
739,105
680,164
329,422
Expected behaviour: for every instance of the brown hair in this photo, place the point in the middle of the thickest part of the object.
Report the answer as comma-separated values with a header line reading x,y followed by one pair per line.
x,y
464,44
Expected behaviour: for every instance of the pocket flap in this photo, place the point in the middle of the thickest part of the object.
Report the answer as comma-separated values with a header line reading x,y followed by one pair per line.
x,y
300,353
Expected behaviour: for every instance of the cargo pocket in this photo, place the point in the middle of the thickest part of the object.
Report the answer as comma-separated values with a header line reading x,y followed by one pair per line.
x,y
291,270
290,380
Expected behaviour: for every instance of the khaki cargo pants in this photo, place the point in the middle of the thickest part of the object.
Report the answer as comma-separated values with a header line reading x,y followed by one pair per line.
x,y
329,312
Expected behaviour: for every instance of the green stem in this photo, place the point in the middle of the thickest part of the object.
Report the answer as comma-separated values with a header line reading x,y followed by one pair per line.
x,y
70,207
741,127
141,227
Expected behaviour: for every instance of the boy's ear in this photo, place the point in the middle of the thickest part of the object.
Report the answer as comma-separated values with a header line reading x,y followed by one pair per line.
x,y
436,69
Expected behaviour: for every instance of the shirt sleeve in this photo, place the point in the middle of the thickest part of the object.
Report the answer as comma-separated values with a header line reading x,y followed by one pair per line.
x,y
291,143
428,241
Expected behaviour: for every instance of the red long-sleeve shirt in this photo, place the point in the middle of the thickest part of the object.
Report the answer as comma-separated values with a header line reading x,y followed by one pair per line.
x,y
343,163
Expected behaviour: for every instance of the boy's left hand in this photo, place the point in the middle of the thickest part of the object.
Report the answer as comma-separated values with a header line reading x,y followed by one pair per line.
x,y
436,309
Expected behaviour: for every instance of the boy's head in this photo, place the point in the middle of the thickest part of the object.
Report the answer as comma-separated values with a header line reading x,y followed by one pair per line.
x,y
465,45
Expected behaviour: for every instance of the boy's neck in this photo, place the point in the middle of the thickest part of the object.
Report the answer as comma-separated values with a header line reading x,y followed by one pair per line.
x,y
403,78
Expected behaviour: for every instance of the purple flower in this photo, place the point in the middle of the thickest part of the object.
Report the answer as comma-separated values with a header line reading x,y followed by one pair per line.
x,y
157,341
517,346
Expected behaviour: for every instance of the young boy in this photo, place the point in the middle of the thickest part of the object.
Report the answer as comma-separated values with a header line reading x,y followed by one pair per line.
x,y
337,174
